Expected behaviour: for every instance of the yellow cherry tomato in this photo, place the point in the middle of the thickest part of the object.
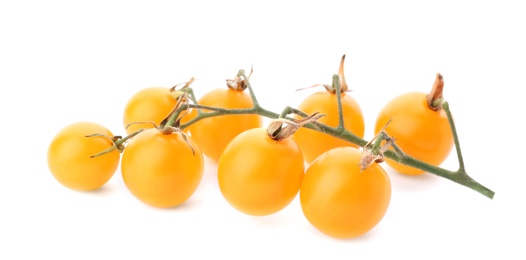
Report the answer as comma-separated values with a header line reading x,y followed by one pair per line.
x,y
339,199
313,143
421,132
258,175
151,104
214,133
162,170
69,153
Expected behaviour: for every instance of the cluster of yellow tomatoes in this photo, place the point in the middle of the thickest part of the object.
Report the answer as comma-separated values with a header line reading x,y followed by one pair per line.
x,y
258,174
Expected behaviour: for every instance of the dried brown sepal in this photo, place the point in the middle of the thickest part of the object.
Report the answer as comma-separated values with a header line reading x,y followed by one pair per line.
x,y
168,130
436,93
282,128
239,83
331,88
142,123
186,85
181,93
326,86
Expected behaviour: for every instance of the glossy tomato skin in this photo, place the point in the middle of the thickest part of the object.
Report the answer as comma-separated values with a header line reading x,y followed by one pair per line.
x,y
313,143
151,104
340,200
258,175
420,131
160,169
69,153
213,134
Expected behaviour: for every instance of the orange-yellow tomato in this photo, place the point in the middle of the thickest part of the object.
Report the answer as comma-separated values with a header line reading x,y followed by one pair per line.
x,y
421,132
151,104
340,200
213,134
313,143
69,153
258,175
162,170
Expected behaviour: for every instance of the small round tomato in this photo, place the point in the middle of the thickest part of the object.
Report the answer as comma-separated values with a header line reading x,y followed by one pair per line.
x,y
162,170
313,143
214,133
258,175
69,156
420,131
339,199
151,104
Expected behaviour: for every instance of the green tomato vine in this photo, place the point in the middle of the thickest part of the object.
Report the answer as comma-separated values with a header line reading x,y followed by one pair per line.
x,y
459,176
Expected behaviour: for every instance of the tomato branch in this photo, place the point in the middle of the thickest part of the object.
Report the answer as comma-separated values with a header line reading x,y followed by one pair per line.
x,y
397,154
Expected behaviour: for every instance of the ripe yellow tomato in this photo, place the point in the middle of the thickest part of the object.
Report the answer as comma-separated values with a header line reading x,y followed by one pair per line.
x,y
258,175
313,143
421,132
213,134
162,170
151,104
69,155
340,200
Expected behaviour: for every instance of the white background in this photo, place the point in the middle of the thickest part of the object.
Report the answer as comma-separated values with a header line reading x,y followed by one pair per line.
x,y
67,61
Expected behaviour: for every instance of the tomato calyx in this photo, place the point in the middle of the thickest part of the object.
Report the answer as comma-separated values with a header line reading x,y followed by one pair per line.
x,y
239,83
375,153
282,128
435,97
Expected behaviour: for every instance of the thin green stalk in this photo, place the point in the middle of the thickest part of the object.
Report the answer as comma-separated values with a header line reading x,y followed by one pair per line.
x,y
445,106
337,86
377,143
242,75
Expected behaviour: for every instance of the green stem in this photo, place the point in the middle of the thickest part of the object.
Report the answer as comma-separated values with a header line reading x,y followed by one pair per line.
x,y
290,110
336,85
445,106
377,143
242,75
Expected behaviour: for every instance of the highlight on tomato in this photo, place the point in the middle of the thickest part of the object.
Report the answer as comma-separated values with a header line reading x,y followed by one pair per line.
x,y
150,106
261,170
339,198
312,142
71,160
214,133
162,167
421,130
